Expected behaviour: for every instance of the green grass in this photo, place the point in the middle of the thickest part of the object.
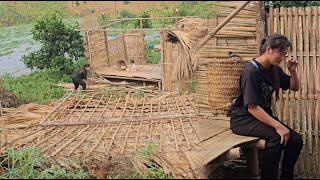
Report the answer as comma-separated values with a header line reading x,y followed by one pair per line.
x,y
4,53
152,172
152,57
15,31
29,163
38,87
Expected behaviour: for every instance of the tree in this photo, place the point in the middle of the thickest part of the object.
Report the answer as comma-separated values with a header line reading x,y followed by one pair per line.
x,y
146,23
61,44
277,4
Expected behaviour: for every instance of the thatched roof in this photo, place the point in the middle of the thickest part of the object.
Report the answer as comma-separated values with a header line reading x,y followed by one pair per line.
x,y
189,32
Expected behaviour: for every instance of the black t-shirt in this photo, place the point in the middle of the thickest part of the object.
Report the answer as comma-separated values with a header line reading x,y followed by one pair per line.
x,y
257,87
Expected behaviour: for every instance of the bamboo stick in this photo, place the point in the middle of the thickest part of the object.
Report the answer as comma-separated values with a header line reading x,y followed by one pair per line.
x,y
97,143
294,49
284,23
125,106
125,140
304,102
86,106
183,131
137,137
44,140
22,137
95,108
75,107
317,119
104,108
48,147
66,144
308,74
73,149
215,30
173,129
46,117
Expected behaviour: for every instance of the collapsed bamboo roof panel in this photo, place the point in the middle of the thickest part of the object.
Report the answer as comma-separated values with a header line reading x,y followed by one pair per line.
x,y
113,138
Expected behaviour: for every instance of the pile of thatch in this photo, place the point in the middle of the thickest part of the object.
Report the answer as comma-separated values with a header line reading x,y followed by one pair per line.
x,y
7,99
24,116
189,32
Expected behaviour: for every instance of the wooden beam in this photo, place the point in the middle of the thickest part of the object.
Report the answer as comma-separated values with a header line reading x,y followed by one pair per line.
x,y
260,22
223,23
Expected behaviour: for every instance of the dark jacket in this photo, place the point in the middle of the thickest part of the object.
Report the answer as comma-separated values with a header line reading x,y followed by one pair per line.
x,y
81,74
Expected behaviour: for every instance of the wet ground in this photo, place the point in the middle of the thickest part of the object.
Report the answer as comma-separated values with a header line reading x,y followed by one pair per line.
x,y
11,64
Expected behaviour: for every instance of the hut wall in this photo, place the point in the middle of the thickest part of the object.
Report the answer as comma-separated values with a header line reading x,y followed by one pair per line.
x,y
102,52
96,49
131,45
237,36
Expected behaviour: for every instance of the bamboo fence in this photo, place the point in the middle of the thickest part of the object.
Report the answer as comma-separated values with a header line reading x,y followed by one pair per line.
x,y
300,109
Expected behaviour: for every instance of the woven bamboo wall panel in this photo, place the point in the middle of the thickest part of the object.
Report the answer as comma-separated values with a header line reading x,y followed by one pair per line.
x,y
116,50
300,109
134,44
96,49
135,48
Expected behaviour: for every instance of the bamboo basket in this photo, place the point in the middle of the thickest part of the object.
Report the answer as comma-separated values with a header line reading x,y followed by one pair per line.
x,y
223,81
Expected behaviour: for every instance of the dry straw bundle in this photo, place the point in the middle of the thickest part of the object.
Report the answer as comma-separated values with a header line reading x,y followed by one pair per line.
x,y
223,81
189,32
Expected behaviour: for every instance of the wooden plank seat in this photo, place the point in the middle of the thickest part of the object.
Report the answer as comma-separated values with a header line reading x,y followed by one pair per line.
x,y
218,145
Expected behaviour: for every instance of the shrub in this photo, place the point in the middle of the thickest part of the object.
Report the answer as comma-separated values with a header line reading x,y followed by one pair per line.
x,y
61,44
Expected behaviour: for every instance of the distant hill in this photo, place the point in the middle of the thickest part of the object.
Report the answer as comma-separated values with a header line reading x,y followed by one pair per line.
x,y
84,8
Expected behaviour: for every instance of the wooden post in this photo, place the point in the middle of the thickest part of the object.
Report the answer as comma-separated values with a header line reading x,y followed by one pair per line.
x,y
141,25
107,48
224,22
122,23
162,21
260,21
124,47
115,9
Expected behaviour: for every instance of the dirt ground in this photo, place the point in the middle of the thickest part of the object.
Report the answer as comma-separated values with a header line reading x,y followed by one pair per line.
x,y
122,167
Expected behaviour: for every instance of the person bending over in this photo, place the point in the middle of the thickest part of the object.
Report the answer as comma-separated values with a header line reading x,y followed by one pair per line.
x,y
78,76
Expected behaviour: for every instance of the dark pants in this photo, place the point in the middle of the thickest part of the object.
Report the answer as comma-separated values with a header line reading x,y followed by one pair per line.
x,y
273,148
78,82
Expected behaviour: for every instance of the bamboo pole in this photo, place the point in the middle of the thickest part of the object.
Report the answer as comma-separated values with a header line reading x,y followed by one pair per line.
x,y
67,143
317,119
224,22
74,148
46,117
97,143
61,139
260,21
309,87
293,53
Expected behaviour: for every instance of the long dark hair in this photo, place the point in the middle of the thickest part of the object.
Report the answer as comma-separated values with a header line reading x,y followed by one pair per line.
x,y
280,43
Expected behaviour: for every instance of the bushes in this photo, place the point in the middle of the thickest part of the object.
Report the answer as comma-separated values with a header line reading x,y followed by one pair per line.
x,y
38,87
62,45
21,12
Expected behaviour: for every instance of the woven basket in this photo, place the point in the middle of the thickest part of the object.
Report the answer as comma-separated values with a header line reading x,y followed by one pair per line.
x,y
223,81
